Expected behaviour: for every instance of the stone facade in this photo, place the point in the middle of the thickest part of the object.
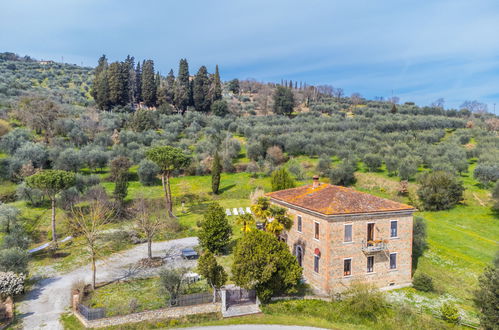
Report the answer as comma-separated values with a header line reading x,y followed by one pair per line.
x,y
330,250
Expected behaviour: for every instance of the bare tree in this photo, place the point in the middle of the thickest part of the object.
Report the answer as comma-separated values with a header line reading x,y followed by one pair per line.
x,y
438,103
474,106
89,220
147,221
356,98
338,93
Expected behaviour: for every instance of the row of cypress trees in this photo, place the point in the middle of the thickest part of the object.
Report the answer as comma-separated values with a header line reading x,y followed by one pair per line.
x,y
122,82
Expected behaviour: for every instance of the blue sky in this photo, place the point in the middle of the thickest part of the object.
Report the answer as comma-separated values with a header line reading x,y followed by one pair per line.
x,y
420,50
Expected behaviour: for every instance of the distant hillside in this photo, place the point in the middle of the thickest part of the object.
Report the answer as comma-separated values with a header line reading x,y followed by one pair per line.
x,y
66,83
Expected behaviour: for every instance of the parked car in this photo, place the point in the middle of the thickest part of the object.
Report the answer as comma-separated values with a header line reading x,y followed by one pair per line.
x,y
189,254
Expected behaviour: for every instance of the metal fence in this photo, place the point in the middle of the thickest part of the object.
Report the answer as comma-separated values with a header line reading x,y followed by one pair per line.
x,y
91,313
193,299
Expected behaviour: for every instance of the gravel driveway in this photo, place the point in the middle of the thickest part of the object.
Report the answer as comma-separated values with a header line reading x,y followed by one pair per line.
x,y
42,306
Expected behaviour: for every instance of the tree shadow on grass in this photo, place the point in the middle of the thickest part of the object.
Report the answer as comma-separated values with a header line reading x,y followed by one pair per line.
x,y
226,188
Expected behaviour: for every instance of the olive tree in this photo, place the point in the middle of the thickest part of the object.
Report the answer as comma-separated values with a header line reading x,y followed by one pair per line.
x,y
51,183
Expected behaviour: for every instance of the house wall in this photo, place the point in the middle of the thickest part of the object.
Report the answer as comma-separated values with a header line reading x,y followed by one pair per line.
x,y
334,250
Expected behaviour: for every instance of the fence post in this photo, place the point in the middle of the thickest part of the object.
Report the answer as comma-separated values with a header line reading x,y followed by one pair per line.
x,y
223,298
75,299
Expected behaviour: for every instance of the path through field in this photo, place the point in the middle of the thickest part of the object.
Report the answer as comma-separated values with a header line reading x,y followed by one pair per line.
x,y
43,306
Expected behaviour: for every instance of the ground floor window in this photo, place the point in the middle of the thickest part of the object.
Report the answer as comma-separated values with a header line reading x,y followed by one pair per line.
x,y
393,261
347,267
316,263
370,264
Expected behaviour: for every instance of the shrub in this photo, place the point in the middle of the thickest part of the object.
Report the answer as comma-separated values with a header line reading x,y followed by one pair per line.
x,y
281,179
423,282
486,173
449,313
11,284
343,174
16,238
14,260
440,191
215,231
295,168
373,162
486,298
148,172
220,108
365,301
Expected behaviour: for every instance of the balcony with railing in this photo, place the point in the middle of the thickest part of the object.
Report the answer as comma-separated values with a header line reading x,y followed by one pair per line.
x,y
374,246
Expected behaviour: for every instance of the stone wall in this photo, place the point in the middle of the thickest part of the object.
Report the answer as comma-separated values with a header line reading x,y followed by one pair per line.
x,y
164,313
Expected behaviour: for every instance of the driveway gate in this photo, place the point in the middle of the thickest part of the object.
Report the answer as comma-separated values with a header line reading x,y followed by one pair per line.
x,y
240,296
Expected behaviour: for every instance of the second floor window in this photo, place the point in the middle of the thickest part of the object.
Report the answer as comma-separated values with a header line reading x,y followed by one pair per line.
x,y
316,230
298,223
347,267
348,233
394,228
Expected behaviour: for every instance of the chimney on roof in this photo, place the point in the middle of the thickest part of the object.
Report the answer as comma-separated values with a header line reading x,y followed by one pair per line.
x,y
316,182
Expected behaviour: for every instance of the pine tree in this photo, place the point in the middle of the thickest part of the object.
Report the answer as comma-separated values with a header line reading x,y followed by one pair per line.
x,y
182,87
215,231
138,83
201,90
281,179
217,86
149,92
216,171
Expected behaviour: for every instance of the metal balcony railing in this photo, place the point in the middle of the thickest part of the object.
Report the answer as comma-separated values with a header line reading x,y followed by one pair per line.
x,y
374,246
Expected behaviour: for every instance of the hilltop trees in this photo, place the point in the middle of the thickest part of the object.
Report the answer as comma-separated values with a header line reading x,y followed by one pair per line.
x,y
149,87
201,89
100,86
51,183
168,159
182,95
283,101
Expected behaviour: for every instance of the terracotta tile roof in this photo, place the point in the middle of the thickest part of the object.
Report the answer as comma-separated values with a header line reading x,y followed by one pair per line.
x,y
335,200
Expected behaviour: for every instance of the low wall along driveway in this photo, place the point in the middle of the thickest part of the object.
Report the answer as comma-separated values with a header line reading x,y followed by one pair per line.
x,y
164,313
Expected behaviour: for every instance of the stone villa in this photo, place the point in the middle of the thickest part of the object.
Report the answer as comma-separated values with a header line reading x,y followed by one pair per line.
x,y
340,235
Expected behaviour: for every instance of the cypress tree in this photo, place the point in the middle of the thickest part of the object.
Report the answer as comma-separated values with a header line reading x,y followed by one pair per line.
x,y
117,80
217,86
149,84
216,171
283,101
201,90
130,78
170,87
182,95
100,88
138,83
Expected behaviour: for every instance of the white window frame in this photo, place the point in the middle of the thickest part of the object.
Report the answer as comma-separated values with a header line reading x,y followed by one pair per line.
x,y
397,222
351,232
367,265
299,223
319,231
351,267
390,261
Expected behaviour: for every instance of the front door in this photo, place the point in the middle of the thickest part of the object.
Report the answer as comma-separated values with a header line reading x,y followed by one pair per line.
x,y
370,233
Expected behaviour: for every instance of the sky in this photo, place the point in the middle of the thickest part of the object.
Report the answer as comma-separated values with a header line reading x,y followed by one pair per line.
x,y
417,50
